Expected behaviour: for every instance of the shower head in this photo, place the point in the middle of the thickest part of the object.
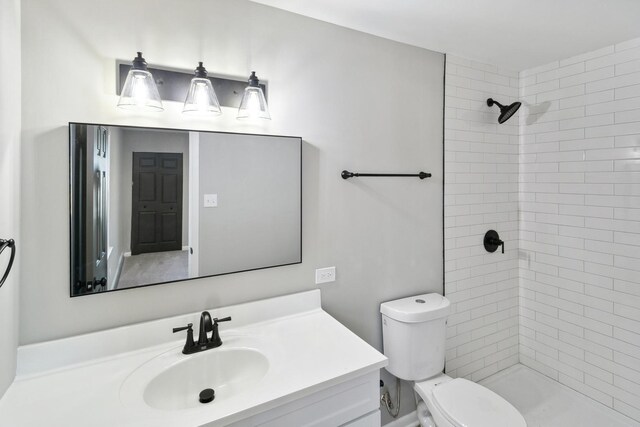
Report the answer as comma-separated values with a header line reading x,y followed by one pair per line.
x,y
506,111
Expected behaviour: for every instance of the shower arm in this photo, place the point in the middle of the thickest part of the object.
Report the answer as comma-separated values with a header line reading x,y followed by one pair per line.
x,y
491,101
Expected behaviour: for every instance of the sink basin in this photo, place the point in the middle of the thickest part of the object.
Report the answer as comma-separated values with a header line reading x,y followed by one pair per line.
x,y
174,381
227,372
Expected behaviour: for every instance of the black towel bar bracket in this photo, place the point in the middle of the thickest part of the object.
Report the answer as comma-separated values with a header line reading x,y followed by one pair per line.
x,y
3,245
421,175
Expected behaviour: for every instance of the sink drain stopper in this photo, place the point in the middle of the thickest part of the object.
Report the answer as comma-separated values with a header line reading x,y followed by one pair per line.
x,y
207,395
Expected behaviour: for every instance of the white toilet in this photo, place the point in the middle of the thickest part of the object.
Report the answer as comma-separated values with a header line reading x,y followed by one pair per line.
x,y
413,331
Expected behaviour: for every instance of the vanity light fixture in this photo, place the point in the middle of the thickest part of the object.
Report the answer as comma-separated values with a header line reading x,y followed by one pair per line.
x,y
140,91
253,104
143,87
201,98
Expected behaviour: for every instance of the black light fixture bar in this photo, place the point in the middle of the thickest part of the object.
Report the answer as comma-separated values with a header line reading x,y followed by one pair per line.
x,y
173,84
422,175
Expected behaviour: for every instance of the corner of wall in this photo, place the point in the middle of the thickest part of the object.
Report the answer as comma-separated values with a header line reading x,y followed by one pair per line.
x,y
10,128
481,193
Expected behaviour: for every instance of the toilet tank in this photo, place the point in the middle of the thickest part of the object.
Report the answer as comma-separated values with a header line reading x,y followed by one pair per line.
x,y
413,334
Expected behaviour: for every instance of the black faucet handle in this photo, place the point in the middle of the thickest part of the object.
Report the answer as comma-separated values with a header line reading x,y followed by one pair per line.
x,y
189,327
189,344
215,337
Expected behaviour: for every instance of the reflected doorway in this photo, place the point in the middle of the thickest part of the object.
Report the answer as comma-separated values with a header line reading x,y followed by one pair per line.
x,y
156,214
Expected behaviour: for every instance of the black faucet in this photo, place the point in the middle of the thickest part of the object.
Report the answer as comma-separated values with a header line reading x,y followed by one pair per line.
x,y
207,324
205,327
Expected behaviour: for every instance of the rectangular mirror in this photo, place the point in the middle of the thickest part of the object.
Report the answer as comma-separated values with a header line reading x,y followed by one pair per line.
x,y
151,206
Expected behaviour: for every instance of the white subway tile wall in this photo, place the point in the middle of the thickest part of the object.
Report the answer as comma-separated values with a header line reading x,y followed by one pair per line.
x,y
481,193
579,203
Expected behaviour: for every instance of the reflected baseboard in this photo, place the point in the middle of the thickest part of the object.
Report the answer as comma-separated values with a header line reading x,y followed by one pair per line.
x,y
184,248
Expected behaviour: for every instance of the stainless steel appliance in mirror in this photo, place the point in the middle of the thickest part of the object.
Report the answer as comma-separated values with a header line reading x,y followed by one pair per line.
x,y
151,206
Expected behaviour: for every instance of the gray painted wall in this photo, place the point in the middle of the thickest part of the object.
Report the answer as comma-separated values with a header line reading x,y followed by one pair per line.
x,y
257,221
9,182
360,102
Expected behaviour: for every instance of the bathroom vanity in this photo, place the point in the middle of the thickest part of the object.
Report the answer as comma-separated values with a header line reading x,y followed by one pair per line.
x,y
283,362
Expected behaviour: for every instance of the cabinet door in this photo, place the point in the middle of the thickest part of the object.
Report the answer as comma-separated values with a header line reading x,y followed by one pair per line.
x,y
369,420
353,403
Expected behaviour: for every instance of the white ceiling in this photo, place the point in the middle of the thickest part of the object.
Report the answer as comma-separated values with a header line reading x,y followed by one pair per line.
x,y
514,34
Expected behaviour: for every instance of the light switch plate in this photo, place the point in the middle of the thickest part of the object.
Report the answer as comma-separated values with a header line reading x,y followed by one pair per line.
x,y
210,200
325,275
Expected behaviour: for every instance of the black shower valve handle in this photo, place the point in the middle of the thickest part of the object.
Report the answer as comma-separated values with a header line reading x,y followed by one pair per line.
x,y
492,241
497,242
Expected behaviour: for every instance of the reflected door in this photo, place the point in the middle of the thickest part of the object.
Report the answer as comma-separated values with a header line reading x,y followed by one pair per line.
x,y
90,208
99,206
156,223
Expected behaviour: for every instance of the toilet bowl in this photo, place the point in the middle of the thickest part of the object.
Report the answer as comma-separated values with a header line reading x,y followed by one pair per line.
x,y
413,331
463,403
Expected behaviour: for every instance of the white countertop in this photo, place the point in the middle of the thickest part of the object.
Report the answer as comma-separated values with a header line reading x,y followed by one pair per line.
x,y
79,382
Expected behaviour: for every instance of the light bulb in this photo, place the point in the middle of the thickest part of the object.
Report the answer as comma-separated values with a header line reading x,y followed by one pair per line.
x,y
253,104
201,98
140,91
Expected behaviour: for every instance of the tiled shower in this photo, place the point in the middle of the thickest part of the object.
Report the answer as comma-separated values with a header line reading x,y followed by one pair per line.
x,y
561,184
481,193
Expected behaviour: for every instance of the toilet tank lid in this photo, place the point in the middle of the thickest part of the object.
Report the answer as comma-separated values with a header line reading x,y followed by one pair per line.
x,y
419,308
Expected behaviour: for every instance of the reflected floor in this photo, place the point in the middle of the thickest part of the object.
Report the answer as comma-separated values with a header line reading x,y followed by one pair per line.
x,y
546,403
156,267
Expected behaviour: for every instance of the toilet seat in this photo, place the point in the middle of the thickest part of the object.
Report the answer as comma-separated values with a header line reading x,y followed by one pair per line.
x,y
464,403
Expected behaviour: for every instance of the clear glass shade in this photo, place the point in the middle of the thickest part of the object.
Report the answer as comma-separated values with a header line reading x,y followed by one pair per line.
x,y
253,104
201,98
140,92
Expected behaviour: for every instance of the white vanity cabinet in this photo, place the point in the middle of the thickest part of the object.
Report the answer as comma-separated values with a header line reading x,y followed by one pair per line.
x,y
353,403
313,371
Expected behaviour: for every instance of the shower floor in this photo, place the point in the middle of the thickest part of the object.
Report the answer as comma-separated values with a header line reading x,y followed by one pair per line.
x,y
546,403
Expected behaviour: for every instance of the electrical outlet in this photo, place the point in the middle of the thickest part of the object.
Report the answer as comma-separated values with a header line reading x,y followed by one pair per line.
x,y
324,275
210,200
